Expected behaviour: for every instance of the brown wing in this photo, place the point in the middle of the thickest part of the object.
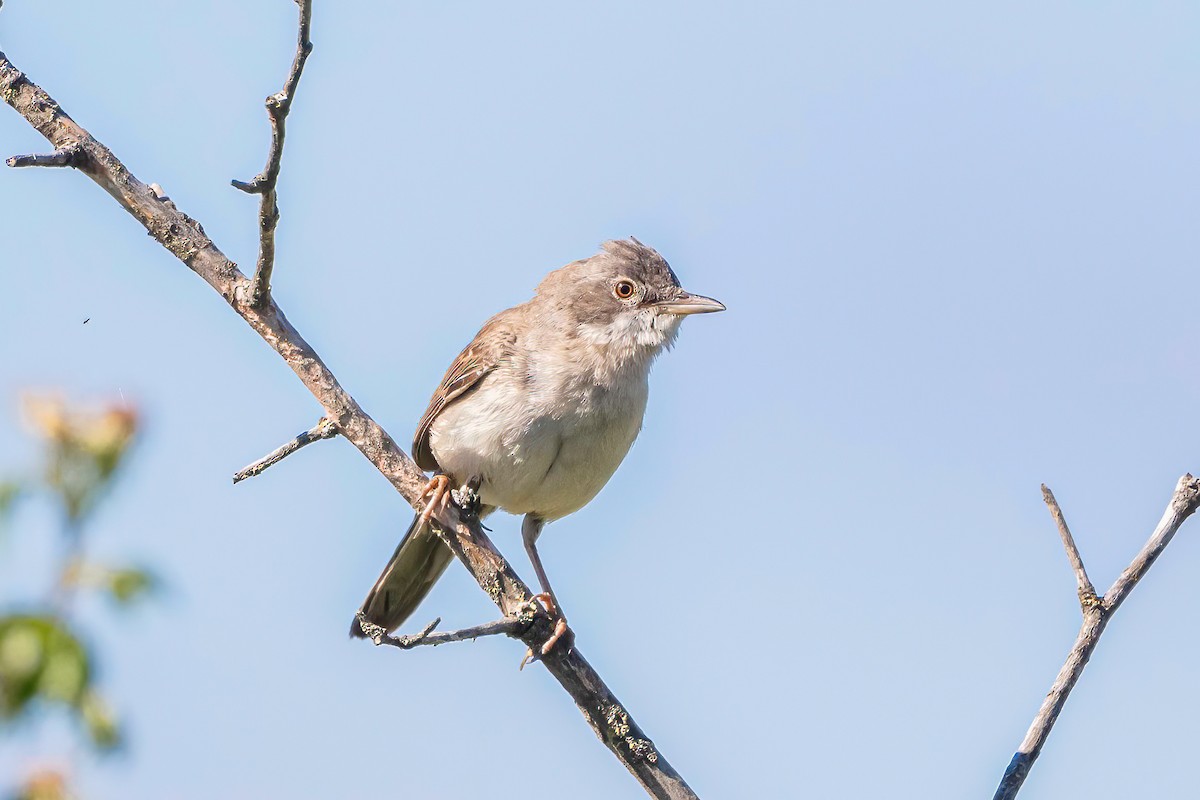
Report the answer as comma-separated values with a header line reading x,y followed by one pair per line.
x,y
487,350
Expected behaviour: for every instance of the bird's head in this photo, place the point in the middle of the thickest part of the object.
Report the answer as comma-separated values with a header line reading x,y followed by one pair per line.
x,y
625,299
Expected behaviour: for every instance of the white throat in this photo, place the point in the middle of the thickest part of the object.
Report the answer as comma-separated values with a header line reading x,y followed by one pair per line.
x,y
631,341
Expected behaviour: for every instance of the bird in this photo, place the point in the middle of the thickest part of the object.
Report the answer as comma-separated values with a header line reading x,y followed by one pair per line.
x,y
535,415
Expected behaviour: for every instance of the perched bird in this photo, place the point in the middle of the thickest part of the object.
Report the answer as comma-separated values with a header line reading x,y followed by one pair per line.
x,y
539,410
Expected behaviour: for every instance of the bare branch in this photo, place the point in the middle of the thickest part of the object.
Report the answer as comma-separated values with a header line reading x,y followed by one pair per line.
x,y
183,237
325,429
278,106
1183,504
1095,618
67,156
508,626
1087,593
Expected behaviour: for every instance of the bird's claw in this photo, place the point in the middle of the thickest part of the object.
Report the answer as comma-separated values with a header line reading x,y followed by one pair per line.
x,y
561,631
547,602
438,493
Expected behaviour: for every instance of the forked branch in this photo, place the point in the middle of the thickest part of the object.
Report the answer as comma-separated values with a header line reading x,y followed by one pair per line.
x,y
508,626
264,183
1096,614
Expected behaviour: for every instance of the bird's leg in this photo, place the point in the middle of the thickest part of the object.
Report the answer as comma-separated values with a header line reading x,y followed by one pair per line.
x,y
438,492
531,528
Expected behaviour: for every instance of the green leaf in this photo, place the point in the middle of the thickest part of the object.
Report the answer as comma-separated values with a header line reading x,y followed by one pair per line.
x,y
10,492
124,584
40,658
130,584
100,721
65,672
21,657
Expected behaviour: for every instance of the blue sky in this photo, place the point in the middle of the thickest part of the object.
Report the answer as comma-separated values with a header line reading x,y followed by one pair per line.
x,y
957,243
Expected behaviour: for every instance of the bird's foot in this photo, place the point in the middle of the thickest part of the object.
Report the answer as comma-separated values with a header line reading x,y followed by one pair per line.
x,y
438,493
467,497
561,631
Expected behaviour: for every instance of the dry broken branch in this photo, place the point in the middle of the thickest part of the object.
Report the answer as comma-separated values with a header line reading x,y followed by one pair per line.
x,y
325,429
508,626
185,239
62,157
1083,584
264,183
1096,616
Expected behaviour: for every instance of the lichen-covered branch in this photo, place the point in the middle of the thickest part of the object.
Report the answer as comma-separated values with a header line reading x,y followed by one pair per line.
x,y
508,626
1096,616
325,429
185,239
63,157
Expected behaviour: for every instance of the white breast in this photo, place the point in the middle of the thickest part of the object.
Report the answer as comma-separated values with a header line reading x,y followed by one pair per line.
x,y
544,446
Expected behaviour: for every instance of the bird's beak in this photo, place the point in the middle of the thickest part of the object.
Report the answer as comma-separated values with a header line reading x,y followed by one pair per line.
x,y
687,303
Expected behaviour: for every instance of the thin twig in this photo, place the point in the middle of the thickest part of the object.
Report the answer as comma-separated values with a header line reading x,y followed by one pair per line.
x,y
1184,503
182,236
278,106
1087,592
508,626
1095,618
325,429
62,157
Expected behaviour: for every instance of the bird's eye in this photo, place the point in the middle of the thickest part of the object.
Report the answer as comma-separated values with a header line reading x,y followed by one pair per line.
x,y
623,290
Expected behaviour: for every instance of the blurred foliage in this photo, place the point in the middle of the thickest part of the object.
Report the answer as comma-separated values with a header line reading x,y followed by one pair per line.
x,y
85,447
39,657
46,784
45,661
10,491
123,584
127,585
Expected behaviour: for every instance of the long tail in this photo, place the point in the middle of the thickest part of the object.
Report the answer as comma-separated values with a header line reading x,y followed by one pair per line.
x,y
414,568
